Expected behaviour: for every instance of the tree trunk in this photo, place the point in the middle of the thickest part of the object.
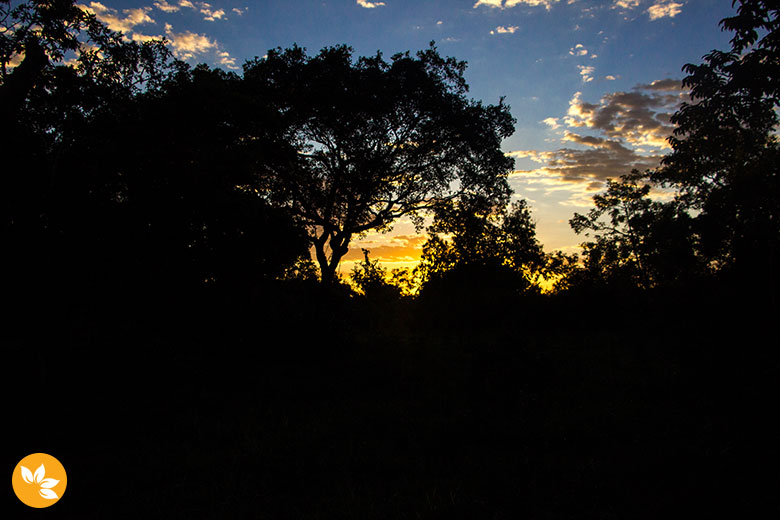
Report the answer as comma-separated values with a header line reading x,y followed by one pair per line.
x,y
339,246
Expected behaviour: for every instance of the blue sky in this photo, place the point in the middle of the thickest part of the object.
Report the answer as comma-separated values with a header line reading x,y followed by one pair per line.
x,y
591,83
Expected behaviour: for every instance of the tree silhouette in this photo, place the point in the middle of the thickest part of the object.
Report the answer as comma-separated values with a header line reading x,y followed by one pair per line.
x,y
481,251
49,204
376,283
186,178
476,232
638,242
378,140
725,150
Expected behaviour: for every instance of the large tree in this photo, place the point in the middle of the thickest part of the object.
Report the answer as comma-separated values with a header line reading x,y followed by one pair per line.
x,y
377,140
725,153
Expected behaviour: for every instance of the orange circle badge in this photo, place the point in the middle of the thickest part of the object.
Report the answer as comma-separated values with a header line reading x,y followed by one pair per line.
x,y
39,480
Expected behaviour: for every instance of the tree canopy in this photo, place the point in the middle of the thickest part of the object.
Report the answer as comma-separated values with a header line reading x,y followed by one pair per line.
x,y
378,140
725,218
725,154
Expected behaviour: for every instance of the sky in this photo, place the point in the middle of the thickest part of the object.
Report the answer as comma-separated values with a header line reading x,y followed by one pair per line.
x,y
591,83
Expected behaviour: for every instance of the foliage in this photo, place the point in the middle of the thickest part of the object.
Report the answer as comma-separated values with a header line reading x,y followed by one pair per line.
x,y
725,150
638,241
476,232
377,140
373,280
116,180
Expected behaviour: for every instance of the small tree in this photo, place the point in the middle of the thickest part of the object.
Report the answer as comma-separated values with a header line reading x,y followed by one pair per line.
x,y
374,281
638,241
477,235
377,140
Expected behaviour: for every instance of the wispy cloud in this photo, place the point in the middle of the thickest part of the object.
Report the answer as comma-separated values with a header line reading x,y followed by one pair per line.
x,y
116,22
659,8
387,248
578,50
369,5
224,58
601,159
626,4
166,7
504,30
505,4
586,73
187,44
664,9
210,14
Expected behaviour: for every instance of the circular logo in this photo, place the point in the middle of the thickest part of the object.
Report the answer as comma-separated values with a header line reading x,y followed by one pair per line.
x,y
39,480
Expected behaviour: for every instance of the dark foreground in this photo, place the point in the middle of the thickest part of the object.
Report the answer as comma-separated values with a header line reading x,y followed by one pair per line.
x,y
299,403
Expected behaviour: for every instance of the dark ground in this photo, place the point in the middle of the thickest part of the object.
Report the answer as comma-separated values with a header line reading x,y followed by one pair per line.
x,y
299,403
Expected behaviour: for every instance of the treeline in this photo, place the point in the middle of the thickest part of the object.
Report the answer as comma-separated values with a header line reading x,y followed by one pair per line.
x,y
128,169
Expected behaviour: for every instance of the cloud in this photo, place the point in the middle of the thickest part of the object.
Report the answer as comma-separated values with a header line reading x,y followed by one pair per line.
x,y
505,4
114,21
211,15
239,11
187,44
385,248
662,85
224,58
602,159
586,73
369,5
578,50
627,130
626,4
15,60
141,38
641,116
166,7
610,78
186,3
664,9
504,30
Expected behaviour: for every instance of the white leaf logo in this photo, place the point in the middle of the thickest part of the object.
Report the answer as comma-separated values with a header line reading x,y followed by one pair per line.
x,y
27,475
48,494
39,478
39,474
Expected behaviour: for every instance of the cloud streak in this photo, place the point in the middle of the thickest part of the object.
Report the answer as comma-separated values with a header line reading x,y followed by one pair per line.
x,y
369,5
664,10
586,73
398,248
506,4
115,22
505,30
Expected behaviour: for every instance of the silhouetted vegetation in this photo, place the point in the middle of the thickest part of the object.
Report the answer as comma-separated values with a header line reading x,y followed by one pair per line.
x,y
172,342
